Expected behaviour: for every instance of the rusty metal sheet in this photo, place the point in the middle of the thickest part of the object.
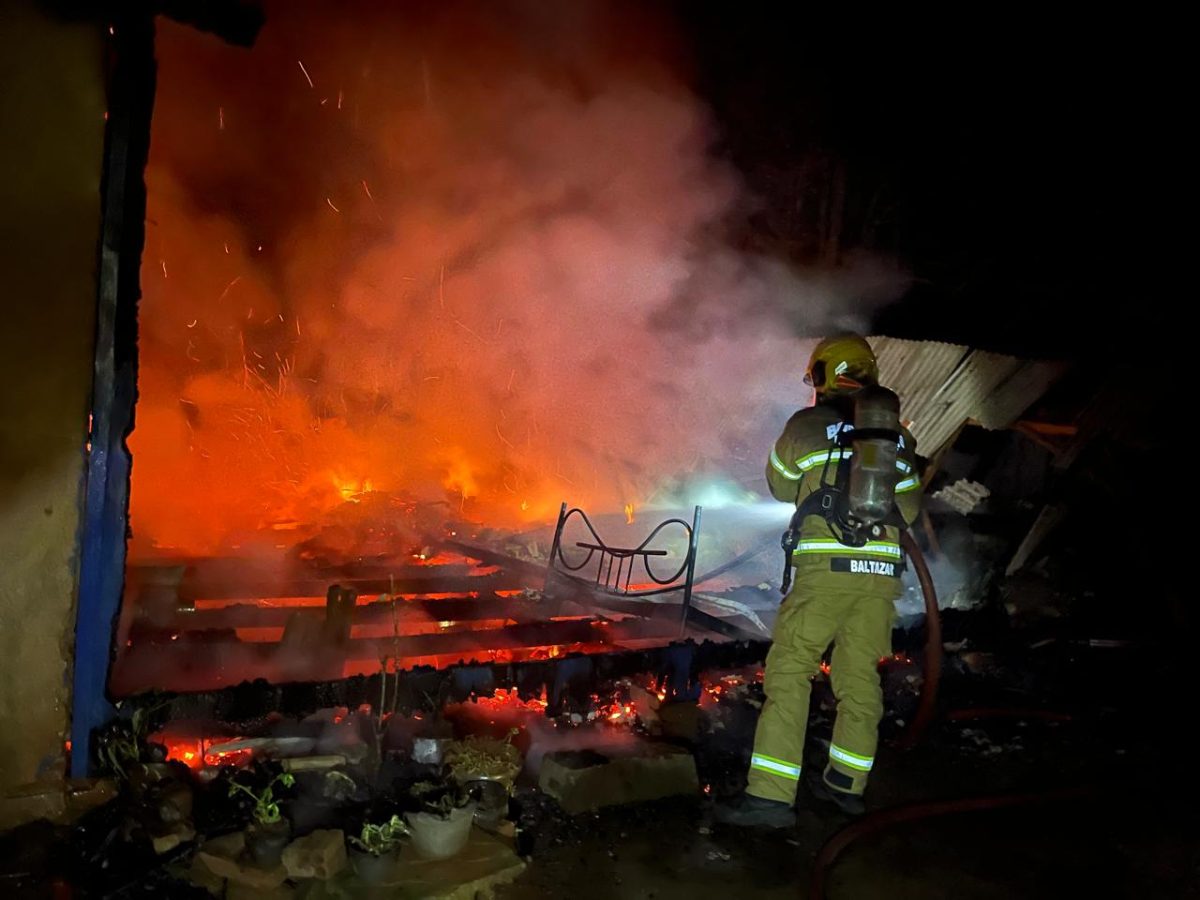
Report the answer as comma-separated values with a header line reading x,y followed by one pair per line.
x,y
942,386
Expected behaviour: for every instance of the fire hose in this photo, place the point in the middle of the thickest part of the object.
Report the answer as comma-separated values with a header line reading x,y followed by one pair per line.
x,y
927,703
885,818
926,707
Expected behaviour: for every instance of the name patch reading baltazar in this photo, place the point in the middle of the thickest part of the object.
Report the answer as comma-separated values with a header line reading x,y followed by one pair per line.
x,y
864,567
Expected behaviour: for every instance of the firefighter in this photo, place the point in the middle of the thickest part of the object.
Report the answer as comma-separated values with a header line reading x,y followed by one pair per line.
x,y
842,593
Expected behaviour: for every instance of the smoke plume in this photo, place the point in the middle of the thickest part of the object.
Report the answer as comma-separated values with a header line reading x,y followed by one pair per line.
x,y
468,253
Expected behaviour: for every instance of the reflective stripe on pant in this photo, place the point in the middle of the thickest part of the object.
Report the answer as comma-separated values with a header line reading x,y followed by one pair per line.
x,y
864,638
858,620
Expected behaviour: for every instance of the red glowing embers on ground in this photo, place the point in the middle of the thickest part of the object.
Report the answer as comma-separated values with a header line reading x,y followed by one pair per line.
x,y
504,699
733,686
615,710
196,752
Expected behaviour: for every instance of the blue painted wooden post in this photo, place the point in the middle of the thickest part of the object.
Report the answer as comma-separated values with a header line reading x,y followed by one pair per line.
x,y
114,387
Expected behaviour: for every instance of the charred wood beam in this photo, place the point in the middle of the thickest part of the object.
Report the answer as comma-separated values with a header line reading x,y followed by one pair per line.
x,y
1054,438
192,590
244,705
212,660
533,572
1051,429
249,615
238,579
218,571
1048,519
698,618
232,568
579,595
512,637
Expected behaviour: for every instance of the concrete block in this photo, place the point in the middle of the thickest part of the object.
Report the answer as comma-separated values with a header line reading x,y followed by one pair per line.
x,y
483,865
180,833
223,856
203,877
249,875
39,800
313,763
60,800
681,721
237,891
584,780
85,794
223,849
221,866
321,854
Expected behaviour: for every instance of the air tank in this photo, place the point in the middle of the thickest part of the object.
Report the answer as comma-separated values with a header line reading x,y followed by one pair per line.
x,y
871,493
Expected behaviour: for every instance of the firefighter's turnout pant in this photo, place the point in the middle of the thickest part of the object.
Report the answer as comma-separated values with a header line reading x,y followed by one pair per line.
x,y
856,615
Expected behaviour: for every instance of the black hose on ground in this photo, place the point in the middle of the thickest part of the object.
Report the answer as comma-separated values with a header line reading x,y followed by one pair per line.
x,y
1004,712
886,818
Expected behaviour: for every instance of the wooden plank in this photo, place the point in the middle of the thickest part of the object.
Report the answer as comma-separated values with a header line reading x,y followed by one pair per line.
x,y
512,637
235,578
250,615
535,572
433,583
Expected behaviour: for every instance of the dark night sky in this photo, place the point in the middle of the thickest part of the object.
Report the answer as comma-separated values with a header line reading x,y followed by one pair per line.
x,y
996,154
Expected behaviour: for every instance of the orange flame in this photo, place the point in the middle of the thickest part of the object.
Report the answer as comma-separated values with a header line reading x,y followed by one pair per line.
x,y
352,489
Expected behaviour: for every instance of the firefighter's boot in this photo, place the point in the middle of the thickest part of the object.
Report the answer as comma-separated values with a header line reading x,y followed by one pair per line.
x,y
850,804
754,812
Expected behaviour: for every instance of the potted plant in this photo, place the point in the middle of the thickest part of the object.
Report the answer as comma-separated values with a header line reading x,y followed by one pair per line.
x,y
268,831
488,768
442,826
479,758
374,850
123,748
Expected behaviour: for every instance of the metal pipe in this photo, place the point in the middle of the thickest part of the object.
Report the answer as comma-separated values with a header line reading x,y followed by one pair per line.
x,y
690,566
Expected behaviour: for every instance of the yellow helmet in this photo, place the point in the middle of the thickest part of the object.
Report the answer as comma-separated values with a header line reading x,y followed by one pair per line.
x,y
842,364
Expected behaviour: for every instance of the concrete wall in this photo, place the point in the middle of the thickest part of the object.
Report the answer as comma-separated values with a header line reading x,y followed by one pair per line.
x,y
52,113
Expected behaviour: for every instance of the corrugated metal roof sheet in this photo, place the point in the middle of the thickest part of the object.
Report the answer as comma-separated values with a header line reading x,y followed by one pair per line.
x,y
942,386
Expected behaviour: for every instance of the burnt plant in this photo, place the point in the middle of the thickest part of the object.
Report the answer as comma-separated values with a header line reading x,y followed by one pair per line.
x,y
122,744
440,798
